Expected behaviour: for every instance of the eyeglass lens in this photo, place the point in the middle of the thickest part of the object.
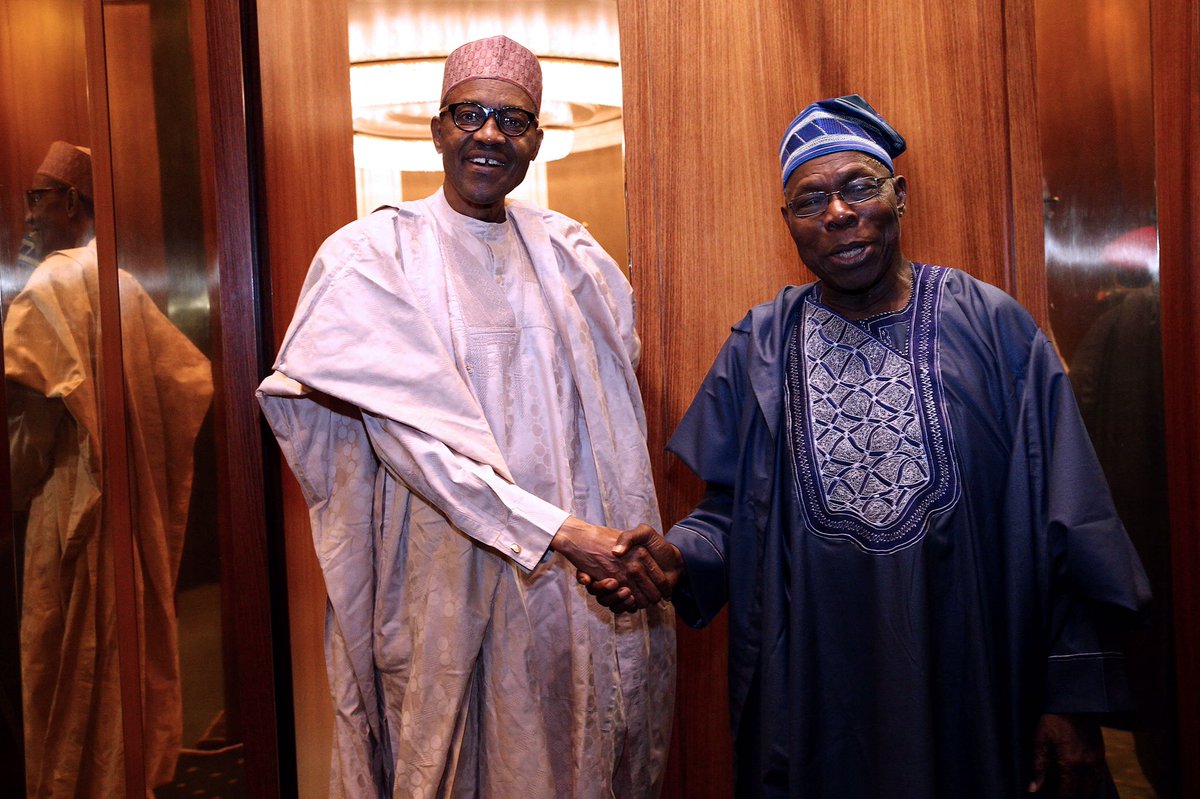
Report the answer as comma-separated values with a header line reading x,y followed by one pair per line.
x,y
471,117
34,196
855,192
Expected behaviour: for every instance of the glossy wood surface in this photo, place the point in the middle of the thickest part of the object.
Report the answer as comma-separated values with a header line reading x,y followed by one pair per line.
x,y
1175,32
116,506
308,192
252,587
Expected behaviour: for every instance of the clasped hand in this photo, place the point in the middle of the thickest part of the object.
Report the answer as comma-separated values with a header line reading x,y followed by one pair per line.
x,y
625,570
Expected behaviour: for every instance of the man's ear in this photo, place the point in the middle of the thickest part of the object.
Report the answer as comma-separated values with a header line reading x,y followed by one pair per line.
x,y
71,201
900,186
435,129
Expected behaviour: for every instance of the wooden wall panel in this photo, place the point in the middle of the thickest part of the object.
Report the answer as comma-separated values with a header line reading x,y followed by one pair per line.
x,y
133,127
1175,37
703,122
117,505
247,573
308,191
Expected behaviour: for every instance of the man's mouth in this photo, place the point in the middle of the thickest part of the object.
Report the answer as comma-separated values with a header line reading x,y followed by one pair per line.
x,y
849,253
483,160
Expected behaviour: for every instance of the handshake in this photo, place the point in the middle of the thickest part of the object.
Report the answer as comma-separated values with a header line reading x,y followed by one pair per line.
x,y
625,570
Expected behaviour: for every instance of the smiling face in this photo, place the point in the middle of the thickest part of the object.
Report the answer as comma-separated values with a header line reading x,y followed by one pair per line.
x,y
483,166
853,249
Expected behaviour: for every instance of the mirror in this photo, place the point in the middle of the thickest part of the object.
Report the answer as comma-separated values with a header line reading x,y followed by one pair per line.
x,y
104,536
1096,123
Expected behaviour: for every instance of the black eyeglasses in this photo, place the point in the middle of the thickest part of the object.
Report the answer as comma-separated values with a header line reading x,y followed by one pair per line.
x,y
859,190
470,117
33,197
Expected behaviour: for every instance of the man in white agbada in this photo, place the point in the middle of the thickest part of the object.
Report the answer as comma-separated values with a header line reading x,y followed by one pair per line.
x,y
456,396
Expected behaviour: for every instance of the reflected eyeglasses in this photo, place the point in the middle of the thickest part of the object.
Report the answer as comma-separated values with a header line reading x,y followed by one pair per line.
x,y
33,197
512,121
859,190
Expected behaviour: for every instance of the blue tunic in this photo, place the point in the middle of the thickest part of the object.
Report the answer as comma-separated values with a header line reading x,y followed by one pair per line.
x,y
916,543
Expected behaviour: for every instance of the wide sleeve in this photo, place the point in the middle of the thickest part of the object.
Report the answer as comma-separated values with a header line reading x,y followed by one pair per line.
x,y
423,423
326,446
34,424
703,538
708,440
597,282
1096,584
362,333
475,499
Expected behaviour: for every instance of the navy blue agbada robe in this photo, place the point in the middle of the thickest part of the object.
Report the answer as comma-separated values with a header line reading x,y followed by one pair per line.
x,y
915,540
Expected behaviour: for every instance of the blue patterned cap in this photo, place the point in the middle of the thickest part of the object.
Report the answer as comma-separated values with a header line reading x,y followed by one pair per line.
x,y
834,126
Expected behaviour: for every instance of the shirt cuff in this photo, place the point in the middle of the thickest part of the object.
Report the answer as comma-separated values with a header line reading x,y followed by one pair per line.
x,y
532,523
701,593
1089,682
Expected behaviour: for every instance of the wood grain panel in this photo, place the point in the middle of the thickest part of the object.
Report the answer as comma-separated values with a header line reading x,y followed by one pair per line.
x,y
703,121
237,330
117,505
1175,32
1026,222
133,129
308,169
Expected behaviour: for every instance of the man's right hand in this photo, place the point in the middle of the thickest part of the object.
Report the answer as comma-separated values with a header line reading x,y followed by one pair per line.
x,y
607,556
643,548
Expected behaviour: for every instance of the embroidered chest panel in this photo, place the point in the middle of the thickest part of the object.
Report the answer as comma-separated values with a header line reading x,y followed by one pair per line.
x,y
871,441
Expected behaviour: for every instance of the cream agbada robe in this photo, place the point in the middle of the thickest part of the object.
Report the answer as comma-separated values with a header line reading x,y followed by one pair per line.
x,y
448,390
69,665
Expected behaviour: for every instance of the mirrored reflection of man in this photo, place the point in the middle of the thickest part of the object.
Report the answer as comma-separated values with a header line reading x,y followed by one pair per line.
x,y
69,660
456,396
924,570
1117,375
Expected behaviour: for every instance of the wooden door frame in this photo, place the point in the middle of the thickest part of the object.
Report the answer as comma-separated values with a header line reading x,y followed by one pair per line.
x,y
252,602
1175,41
252,578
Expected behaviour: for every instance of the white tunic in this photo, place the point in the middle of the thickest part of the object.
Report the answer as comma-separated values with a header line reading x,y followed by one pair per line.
x,y
487,376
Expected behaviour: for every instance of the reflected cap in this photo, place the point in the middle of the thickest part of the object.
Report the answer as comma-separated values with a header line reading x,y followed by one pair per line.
x,y
69,164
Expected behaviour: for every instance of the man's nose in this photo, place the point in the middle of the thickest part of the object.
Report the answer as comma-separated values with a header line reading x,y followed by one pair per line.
x,y
490,132
838,211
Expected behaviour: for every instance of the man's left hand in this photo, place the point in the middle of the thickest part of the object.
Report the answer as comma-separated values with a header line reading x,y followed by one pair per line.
x,y
1068,754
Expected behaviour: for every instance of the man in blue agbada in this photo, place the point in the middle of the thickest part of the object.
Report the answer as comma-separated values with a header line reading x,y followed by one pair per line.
x,y
923,567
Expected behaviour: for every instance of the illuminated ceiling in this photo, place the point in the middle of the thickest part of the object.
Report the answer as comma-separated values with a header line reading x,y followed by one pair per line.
x,y
397,48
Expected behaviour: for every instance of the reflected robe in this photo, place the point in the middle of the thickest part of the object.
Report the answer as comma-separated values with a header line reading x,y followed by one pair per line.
x,y
445,388
915,540
70,668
